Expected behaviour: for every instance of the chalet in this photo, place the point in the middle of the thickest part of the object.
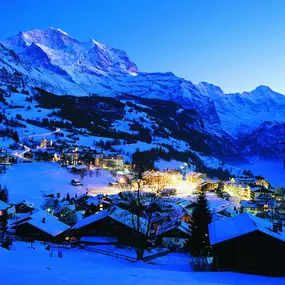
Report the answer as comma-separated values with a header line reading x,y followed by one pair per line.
x,y
173,234
167,178
81,199
7,159
41,226
189,205
75,182
272,215
96,204
262,182
78,168
244,191
70,158
113,222
256,206
24,207
206,186
260,190
180,214
195,177
111,162
226,210
45,143
68,214
247,244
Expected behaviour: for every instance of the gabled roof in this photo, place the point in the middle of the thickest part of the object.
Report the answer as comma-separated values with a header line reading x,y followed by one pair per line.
x,y
96,201
51,224
178,213
118,214
187,203
84,195
3,206
91,219
27,204
240,225
179,225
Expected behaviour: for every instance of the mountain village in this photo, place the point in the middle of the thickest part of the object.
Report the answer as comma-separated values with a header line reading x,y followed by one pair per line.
x,y
99,161
104,218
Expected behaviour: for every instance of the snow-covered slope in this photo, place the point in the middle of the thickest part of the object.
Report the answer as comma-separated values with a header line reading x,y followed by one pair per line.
x,y
56,62
266,141
242,113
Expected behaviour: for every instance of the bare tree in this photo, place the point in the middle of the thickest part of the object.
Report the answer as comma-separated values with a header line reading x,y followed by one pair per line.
x,y
142,206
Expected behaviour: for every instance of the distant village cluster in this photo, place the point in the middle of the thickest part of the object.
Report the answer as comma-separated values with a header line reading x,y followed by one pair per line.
x,y
155,210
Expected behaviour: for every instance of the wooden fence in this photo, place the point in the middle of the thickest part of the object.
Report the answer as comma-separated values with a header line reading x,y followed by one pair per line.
x,y
105,252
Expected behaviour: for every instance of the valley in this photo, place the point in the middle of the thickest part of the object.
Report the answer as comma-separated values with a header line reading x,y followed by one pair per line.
x,y
99,160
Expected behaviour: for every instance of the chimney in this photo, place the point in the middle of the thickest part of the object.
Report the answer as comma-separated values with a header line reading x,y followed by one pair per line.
x,y
44,220
280,226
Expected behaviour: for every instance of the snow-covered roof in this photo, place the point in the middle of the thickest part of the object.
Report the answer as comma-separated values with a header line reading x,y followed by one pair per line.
x,y
79,167
249,204
3,206
180,225
91,219
240,225
84,195
128,219
178,213
96,201
27,203
255,189
46,223
187,203
120,215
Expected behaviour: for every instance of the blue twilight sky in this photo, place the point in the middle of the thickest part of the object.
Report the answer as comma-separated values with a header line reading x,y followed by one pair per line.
x,y
236,44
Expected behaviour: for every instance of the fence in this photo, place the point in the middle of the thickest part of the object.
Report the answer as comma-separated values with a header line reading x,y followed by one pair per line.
x,y
105,252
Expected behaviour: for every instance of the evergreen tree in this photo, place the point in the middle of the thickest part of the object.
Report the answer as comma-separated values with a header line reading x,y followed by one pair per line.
x,y
199,244
220,189
4,196
67,197
15,136
68,217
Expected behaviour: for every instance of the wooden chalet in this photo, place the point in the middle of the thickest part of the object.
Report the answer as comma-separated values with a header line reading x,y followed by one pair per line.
x,y
113,222
41,226
173,234
248,244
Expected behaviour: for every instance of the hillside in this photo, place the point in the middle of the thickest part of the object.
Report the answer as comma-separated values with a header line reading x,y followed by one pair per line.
x,y
130,104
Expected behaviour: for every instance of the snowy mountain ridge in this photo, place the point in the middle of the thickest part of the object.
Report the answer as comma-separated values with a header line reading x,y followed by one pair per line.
x,y
54,61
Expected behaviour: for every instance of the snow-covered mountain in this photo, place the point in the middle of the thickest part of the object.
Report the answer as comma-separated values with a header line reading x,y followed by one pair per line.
x,y
268,141
56,62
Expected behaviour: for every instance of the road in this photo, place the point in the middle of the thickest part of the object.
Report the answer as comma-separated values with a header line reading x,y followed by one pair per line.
x,y
42,135
27,149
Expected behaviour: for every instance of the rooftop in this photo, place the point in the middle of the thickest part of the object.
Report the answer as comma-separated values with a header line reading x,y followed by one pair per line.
x,y
47,223
239,225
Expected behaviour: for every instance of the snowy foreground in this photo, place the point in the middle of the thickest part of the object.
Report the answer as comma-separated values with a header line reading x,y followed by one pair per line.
x,y
26,266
